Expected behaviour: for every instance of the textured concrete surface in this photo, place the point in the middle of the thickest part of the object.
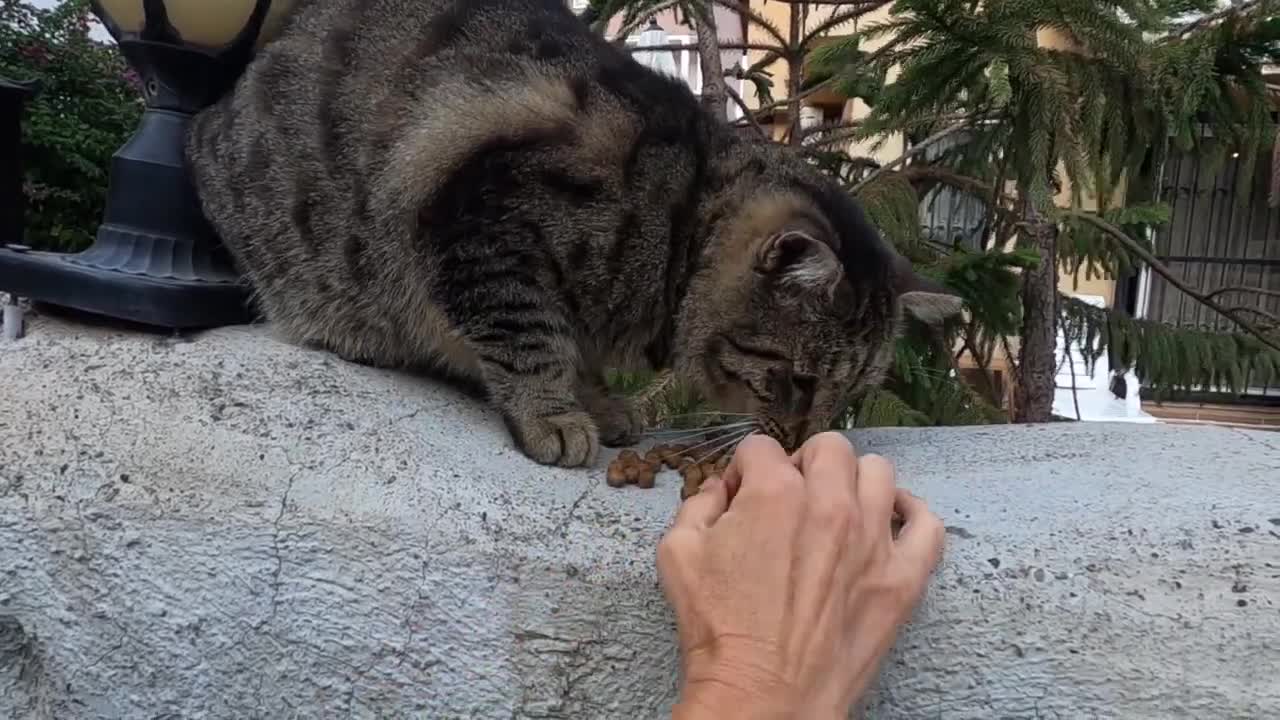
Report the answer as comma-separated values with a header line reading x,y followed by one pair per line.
x,y
231,527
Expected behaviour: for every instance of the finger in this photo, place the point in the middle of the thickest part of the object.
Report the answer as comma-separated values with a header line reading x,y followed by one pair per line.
x,y
703,509
762,470
830,469
921,540
798,455
876,488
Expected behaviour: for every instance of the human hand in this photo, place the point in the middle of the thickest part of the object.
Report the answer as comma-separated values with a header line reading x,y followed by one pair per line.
x,y
787,583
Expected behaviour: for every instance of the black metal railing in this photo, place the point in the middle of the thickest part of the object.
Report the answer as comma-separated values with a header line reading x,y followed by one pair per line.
x,y
1222,233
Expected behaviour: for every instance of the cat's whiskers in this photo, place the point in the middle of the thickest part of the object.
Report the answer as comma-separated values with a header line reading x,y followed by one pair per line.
x,y
742,431
695,432
731,442
711,413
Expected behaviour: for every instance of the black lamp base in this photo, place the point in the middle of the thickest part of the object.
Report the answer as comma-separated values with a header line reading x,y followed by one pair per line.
x,y
55,279
155,259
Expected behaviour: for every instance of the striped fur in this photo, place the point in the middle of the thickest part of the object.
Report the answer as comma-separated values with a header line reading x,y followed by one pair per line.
x,y
486,187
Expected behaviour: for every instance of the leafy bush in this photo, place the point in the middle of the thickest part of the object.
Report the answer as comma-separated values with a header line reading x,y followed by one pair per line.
x,y
87,107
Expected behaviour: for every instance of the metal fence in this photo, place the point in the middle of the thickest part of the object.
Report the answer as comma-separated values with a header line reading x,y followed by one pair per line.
x,y
1222,233
948,215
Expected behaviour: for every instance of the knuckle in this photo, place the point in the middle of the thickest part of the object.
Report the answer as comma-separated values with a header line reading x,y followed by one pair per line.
x,y
877,464
877,469
832,440
835,514
776,480
772,491
756,442
827,443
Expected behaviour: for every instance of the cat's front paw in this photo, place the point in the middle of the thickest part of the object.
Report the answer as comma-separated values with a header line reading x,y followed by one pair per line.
x,y
619,421
568,439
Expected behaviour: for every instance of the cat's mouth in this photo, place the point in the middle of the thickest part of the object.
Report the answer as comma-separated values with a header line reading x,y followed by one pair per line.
x,y
789,435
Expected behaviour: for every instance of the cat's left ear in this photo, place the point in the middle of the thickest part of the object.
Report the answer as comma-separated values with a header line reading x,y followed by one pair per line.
x,y
927,300
797,260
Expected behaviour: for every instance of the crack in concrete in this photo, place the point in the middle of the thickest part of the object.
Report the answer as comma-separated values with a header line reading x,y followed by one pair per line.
x,y
275,546
562,529
84,532
1253,437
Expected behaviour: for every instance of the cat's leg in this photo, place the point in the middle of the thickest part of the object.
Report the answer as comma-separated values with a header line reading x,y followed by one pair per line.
x,y
616,416
531,377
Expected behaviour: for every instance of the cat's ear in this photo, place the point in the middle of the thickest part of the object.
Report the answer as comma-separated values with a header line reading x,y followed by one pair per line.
x,y
925,299
799,261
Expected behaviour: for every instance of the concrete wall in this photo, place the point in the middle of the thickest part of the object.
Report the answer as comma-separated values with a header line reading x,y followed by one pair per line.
x,y
230,527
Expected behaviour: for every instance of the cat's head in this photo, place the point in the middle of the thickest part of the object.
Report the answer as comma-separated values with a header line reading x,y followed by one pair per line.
x,y
798,310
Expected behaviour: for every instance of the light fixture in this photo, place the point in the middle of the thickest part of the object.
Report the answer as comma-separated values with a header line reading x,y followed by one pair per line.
x,y
155,259
658,59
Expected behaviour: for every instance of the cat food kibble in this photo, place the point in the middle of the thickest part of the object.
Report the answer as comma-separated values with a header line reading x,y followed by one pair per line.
x,y
688,489
630,468
693,474
617,475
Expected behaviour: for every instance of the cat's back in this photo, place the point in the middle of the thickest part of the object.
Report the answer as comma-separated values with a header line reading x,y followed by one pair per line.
x,y
339,160
361,109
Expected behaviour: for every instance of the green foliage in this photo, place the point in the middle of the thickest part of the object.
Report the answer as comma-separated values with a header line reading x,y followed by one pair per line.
x,y
879,407
1091,115
989,282
1167,359
845,67
1214,76
87,107
923,388
1083,247
891,203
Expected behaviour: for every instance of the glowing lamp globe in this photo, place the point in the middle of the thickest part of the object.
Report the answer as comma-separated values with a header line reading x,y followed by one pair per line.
x,y
155,259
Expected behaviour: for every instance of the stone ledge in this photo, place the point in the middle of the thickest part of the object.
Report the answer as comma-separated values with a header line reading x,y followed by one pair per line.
x,y
233,527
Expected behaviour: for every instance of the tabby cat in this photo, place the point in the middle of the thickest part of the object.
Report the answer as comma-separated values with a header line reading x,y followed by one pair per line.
x,y
490,187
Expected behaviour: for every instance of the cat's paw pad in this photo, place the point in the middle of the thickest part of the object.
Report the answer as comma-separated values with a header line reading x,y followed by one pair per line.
x,y
619,421
568,439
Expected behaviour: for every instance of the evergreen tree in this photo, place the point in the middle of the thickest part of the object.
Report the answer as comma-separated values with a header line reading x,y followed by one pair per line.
x,y
1130,83
1101,109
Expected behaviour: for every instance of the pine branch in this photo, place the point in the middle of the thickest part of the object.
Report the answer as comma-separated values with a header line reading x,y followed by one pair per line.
x,y
968,184
912,152
1163,271
714,88
837,19
1244,289
746,112
1212,18
743,8
1275,319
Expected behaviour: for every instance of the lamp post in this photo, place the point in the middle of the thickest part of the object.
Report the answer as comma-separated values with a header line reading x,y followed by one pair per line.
x,y
155,259
13,98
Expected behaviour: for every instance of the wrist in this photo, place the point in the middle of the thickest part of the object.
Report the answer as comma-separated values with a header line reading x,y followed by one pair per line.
x,y
713,700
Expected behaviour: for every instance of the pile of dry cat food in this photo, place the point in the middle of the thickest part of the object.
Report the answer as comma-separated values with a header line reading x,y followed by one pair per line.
x,y
629,468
